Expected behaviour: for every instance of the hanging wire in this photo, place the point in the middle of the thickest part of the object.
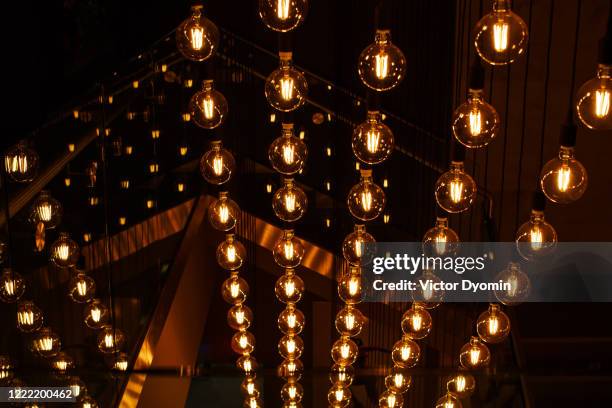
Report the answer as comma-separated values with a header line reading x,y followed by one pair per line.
x,y
551,15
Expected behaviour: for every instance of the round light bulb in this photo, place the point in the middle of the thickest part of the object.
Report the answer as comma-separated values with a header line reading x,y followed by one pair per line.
x,y
390,399
564,179
243,342
197,38
247,364
405,352
500,36
208,107
234,290
217,164
65,252
249,387
339,396
429,296
252,402
357,247
47,210
289,287
441,240
62,362
29,317
455,190
399,380
82,288
239,317
288,153
291,369
536,238
292,392
291,320
21,163
349,321
461,385
12,286
366,200
110,340
475,123
230,253
120,362
290,346
289,202
85,401
6,368
520,285
373,141
223,213
382,65
342,375
448,401
416,322
96,314
350,287
283,15
286,88
475,354
46,343
77,387
493,325
344,351
288,250
593,100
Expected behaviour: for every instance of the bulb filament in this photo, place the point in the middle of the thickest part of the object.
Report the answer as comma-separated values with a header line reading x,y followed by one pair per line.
x,y
240,317
121,365
9,287
373,138
536,239
290,202
358,247
286,84
243,342
291,346
289,288
17,164
45,212
81,288
61,365
391,401
218,165
456,191
339,394
382,65
292,320
366,201
223,214
440,241
345,351
96,314
563,178
475,122
474,356
45,344
513,289
349,321
62,252
417,322
353,286
282,9
235,290
405,352
197,38
288,153
493,325
26,318
109,341
500,36
230,253
602,103
460,383
398,379
208,107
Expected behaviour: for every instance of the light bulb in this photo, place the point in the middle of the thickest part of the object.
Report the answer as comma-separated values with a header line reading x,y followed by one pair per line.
x,y
96,314
500,36
62,362
230,253
288,153
110,340
286,88
46,343
342,375
217,164
564,179
82,288
290,346
536,238
399,380
208,107
234,290
6,368
349,321
390,399
493,325
283,15
291,369
288,250
366,200
65,252
405,352
289,287
475,354
357,247
249,387
381,66
21,163
441,240
339,396
344,351
291,320
475,122
593,100
12,286
455,190
47,210
520,285
77,387
289,202
429,296
292,392
239,317
29,317
461,385
197,38
223,213
247,364
243,342
85,401
350,287
252,402
416,322
448,401
373,141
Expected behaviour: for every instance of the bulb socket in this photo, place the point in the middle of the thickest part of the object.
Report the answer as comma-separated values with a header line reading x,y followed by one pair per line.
x,y
287,126
458,153
284,42
605,50
441,213
477,74
366,172
539,201
567,137
373,100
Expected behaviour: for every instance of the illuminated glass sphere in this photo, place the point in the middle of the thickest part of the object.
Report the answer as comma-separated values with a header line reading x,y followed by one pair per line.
x,y
21,163
6,368
455,190
249,387
77,386
12,286
366,200
292,392
247,364
399,380
82,288
197,38
46,343
501,36
339,396
65,252
344,351
283,15
405,352
536,238
291,369
381,66
62,362
289,202
230,253
441,240
390,399
223,213
448,401
520,285
217,164
357,248
96,314
289,287
29,317
475,354
47,210
564,179
286,88
475,123
416,322
234,290
461,385
110,340
373,141
290,346
239,317
429,296
120,362
350,287
208,107
342,375
243,342
288,250
349,321
288,153
85,401
593,100
291,320
493,325
252,402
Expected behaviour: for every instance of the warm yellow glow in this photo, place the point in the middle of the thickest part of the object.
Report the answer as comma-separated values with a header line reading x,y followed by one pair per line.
x,y
109,341
218,165
62,252
235,290
45,343
243,341
250,388
248,367
460,383
456,191
197,37
398,379
382,65
282,9
81,287
353,286
183,150
292,320
416,322
513,289
440,240
25,318
366,200
475,122
406,352
208,107
345,351
67,181
358,247
230,253
155,134
17,164
61,365
9,287
563,178
71,147
602,103
288,250
339,394
391,400
268,188
349,321
288,153
95,314
289,288
535,238
474,356
373,138
493,326
286,85
224,213
180,187
292,391
291,346
500,36
121,365
290,201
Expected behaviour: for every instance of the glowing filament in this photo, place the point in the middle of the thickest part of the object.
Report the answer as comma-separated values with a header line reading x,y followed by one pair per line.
x,y
208,107
248,367
282,9
373,138
353,286
536,239
290,202
45,212
17,164
391,401
382,66
398,380
235,290
96,314
291,346
349,321
440,241
513,289
345,351
500,36
197,38
288,153
460,383
45,344
493,326
26,318
474,356
223,214
358,247
428,292
230,253
602,103
286,85
250,388
339,394
121,365
405,352
9,287
218,165
456,191
563,178
366,201
292,321
292,392
289,288
109,341
475,122
240,318
62,252
417,322
288,250
61,365
243,342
